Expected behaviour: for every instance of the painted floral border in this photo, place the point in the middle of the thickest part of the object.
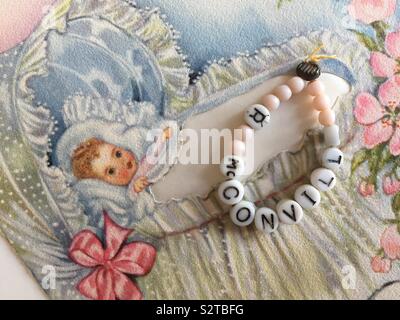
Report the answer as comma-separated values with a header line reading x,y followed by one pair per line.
x,y
378,113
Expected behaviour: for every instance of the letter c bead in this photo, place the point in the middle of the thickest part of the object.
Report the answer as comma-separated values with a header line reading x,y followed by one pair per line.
x,y
231,192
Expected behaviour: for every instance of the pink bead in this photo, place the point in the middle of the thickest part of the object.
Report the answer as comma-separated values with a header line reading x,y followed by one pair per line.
x,y
296,84
238,148
283,92
327,117
321,102
247,133
315,88
270,101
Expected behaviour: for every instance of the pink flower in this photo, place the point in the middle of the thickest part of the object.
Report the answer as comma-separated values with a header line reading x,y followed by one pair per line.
x,y
368,11
387,65
390,185
366,189
380,265
18,18
381,118
390,242
108,281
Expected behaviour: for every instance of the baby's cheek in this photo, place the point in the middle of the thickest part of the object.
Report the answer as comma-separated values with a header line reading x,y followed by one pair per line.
x,y
123,174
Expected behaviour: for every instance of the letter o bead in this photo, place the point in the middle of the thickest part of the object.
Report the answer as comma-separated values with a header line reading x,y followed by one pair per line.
x,y
289,211
323,179
257,116
231,192
266,220
307,196
242,214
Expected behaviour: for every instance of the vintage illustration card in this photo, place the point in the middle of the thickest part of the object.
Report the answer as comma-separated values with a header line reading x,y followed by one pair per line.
x,y
114,214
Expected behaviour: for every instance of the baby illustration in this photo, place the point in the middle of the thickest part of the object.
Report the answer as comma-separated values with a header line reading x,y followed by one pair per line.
x,y
109,159
97,159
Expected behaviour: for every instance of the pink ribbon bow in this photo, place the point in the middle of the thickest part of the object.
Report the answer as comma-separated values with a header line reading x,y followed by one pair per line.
x,y
108,280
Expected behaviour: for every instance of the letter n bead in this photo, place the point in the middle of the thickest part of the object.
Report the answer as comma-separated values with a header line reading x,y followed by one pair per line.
x,y
242,214
266,220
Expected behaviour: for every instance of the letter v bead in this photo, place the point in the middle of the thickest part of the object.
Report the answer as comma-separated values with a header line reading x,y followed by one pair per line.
x,y
289,211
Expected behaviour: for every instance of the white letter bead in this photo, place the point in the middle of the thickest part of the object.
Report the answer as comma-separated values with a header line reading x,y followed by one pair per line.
x,y
331,136
266,220
242,214
231,192
257,116
232,166
289,211
307,196
332,158
323,179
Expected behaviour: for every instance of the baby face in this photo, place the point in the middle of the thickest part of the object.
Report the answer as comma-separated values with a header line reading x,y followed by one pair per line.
x,y
114,165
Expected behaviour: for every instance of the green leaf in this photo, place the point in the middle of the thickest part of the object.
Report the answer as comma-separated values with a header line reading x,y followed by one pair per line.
x,y
358,159
378,158
380,28
390,221
367,41
384,157
396,205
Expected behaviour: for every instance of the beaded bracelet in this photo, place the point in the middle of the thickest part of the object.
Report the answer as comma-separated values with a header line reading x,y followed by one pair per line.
x,y
307,196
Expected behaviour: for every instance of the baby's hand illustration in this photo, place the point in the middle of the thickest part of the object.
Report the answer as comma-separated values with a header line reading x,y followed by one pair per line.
x,y
140,184
167,133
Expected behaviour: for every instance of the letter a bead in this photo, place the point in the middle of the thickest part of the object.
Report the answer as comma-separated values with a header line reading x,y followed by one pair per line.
x,y
242,214
289,211
266,220
257,116
231,192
